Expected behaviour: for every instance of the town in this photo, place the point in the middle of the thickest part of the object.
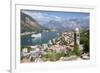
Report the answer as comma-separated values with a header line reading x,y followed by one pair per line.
x,y
66,47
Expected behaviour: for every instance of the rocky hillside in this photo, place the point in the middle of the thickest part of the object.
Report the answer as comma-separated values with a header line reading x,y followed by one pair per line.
x,y
28,24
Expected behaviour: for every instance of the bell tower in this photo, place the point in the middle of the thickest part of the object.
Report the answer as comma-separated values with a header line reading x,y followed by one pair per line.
x,y
77,36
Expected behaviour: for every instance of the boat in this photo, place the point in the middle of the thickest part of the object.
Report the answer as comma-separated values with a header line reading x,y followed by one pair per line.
x,y
36,35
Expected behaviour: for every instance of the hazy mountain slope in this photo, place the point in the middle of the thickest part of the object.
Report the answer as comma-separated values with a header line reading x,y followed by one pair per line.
x,y
29,24
68,25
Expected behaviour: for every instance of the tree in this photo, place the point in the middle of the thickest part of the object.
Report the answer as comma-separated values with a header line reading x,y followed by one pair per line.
x,y
84,39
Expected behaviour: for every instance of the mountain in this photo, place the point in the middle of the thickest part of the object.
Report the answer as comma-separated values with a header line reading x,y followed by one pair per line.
x,y
28,24
60,26
54,25
67,25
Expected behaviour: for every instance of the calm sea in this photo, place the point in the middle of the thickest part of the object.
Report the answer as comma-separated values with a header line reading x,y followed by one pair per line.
x,y
44,38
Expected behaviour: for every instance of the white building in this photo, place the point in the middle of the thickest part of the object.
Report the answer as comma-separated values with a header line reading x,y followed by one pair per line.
x,y
25,50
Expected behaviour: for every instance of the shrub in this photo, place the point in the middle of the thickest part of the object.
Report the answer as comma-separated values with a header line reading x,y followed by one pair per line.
x,y
84,39
69,53
76,50
53,56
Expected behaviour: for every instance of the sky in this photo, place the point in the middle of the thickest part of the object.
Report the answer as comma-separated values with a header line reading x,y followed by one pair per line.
x,y
71,18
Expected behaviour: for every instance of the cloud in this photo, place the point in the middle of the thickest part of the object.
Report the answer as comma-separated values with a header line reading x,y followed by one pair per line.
x,y
42,17
71,21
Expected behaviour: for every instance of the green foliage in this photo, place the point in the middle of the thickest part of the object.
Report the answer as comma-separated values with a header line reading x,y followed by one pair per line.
x,y
62,41
84,39
86,46
65,42
69,53
52,56
76,50
44,58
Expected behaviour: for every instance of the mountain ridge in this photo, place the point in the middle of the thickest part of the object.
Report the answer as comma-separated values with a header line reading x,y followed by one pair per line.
x,y
28,24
